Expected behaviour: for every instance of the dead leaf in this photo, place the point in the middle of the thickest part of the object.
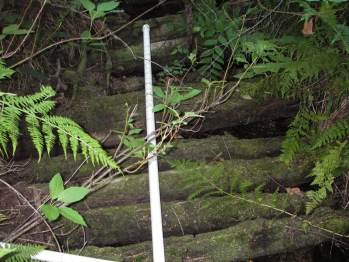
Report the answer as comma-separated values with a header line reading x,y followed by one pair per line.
x,y
294,191
308,27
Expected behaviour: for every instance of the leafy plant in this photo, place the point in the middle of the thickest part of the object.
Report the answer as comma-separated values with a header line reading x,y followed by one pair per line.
x,y
67,196
19,252
40,125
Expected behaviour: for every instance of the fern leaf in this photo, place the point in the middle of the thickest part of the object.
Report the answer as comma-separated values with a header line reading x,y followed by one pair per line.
x,y
49,137
63,139
35,134
258,192
338,131
21,252
244,186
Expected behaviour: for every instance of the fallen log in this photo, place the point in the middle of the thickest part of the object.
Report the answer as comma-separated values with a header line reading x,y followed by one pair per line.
x,y
115,226
215,148
246,240
100,115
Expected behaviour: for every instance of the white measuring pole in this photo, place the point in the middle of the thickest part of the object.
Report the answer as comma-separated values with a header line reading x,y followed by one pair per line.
x,y
155,205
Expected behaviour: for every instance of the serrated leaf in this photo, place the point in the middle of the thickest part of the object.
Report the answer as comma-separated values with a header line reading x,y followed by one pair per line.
x,y
5,251
51,212
56,186
72,215
108,6
72,194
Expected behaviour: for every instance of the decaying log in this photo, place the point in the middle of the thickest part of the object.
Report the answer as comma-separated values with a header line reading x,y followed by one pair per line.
x,y
215,148
246,240
100,115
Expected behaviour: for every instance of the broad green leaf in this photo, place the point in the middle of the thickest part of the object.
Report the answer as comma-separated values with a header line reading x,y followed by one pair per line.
x,y
56,186
85,34
210,33
210,42
174,112
72,194
230,34
208,22
108,6
13,29
51,212
219,26
207,53
191,94
222,40
89,6
219,51
96,14
217,66
72,215
158,108
158,92
191,114
205,60
135,131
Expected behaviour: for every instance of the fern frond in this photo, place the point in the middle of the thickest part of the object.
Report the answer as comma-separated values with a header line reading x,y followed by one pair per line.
x,y
21,252
233,183
337,131
33,128
274,197
258,192
35,108
244,186
324,176
63,139
49,137
299,128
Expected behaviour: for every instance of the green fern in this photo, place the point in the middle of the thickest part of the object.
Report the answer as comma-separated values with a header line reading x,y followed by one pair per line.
x,y
20,252
325,172
338,131
40,125
300,128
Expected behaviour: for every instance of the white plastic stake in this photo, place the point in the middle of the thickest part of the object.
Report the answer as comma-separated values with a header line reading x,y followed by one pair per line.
x,y
155,205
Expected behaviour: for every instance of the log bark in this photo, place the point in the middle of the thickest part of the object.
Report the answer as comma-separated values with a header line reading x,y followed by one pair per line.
x,y
100,115
246,240
215,148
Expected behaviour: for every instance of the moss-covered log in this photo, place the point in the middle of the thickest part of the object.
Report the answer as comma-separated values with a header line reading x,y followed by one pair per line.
x,y
131,224
215,148
100,115
246,240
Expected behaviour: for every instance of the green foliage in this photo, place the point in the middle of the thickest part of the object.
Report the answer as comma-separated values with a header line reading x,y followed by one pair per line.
x,y
325,171
222,33
101,8
171,98
41,127
69,195
216,181
300,128
19,252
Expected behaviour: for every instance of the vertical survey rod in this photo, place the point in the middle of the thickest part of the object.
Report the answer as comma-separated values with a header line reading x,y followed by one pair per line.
x,y
155,205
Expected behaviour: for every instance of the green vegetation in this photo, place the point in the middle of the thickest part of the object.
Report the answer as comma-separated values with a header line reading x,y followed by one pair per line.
x,y
264,41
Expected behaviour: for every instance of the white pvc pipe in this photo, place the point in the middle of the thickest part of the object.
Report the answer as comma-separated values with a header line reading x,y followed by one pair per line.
x,y
155,205
52,256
